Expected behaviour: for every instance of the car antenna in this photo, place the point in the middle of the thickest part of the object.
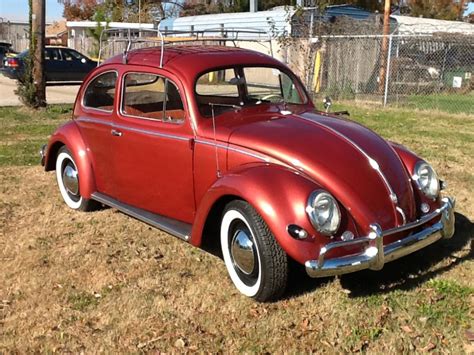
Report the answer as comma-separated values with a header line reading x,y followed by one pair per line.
x,y
212,104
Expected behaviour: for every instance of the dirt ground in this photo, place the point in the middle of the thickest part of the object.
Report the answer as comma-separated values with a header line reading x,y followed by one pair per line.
x,y
74,282
101,281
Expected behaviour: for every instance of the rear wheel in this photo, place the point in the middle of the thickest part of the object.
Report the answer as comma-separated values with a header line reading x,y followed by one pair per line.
x,y
257,265
67,176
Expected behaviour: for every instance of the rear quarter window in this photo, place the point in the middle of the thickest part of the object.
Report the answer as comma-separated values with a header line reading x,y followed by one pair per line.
x,y
100,93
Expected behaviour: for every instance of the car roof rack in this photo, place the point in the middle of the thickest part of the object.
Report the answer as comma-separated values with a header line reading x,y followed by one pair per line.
x,y
131,36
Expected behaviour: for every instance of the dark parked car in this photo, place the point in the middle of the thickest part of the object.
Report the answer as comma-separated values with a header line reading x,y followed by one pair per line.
x,y
5,51
61,65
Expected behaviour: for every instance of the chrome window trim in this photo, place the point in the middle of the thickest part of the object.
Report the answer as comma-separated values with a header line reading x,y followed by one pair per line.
x,y
87,87
122,96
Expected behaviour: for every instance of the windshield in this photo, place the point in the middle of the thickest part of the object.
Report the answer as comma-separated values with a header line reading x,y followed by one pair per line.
x,y
245,86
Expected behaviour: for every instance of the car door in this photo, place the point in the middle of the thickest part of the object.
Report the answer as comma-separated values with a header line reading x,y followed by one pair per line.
x,y
78,66
53,64
94,114
153,147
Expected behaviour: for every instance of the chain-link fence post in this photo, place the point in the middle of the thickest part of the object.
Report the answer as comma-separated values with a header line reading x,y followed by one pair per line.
x,y
387,70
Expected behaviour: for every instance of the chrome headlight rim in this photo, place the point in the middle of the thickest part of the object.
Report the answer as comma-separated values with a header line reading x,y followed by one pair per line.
x,y
431,188
330,227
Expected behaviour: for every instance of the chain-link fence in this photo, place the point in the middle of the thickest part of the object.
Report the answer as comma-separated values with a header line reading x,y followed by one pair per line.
x,y
425,72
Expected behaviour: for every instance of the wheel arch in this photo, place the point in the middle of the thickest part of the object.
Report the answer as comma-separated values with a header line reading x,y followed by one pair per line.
x,y
53,150
69,135
210,230
276,193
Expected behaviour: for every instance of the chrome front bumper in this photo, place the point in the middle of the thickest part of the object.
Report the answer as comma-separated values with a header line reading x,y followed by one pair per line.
x,y
376,254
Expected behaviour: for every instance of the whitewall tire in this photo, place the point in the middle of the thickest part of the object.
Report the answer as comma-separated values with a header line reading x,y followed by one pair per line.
x,y
67,175
255,262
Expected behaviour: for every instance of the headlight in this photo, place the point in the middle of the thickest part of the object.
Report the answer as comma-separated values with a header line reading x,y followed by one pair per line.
x,y
323,212
426,179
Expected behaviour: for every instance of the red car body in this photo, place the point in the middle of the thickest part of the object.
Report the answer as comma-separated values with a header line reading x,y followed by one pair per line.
x,y
271,155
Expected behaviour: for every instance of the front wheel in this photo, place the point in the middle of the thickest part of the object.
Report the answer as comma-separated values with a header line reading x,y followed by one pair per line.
x,y
257,265
67,175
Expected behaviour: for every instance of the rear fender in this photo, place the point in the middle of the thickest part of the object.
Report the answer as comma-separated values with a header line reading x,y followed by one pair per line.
x,y
70,136
278,194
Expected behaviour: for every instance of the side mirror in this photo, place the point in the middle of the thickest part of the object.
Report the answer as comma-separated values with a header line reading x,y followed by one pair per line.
x,y
327,103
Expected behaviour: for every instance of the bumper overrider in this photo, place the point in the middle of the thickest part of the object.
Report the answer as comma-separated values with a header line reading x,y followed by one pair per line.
x,y
377,254
42,154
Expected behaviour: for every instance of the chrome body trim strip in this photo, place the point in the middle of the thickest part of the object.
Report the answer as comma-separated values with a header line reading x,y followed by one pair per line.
x,y
151,133
237,150
131,129
93,120
372,162
376,254
177,228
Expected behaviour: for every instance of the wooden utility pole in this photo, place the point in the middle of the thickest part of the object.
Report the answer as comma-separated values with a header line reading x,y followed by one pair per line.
x,y
384,57
38,33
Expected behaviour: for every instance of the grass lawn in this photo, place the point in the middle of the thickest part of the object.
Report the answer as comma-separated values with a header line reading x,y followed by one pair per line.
x,y
450,103
104,282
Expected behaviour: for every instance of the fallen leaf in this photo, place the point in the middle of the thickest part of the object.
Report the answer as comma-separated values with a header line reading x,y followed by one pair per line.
x,y
423,320
326,343
180,343
469,333
406,329
428,347
304,324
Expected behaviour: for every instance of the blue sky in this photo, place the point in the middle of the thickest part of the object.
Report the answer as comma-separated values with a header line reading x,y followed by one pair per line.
x,y
17,10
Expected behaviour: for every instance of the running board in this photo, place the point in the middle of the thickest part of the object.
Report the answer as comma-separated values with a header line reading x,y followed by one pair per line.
x,y
178,229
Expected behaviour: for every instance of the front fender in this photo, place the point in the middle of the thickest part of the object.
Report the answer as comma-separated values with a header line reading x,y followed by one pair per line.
x,y
407,156
69,135
278,194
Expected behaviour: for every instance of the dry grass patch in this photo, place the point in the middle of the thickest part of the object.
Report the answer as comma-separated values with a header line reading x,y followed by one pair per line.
x,y
102,281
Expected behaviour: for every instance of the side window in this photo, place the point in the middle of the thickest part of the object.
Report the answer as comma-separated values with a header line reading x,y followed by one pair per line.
x,y
100,93
152,96
218,83
52,54
69,55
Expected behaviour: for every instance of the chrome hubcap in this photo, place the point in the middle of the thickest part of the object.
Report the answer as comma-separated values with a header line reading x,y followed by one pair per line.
x,y
243,252
70,179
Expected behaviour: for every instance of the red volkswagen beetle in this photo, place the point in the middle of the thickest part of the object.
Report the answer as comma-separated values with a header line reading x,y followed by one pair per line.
x,y
223,146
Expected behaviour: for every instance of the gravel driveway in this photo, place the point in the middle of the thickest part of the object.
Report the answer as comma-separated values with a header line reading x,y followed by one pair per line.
x,y
63,94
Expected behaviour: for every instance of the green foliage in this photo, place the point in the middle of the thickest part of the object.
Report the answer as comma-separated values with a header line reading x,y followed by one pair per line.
x,y
438,9
96,32
26,89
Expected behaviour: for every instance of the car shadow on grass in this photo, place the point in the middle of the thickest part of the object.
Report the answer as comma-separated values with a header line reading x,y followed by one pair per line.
x,y
402,274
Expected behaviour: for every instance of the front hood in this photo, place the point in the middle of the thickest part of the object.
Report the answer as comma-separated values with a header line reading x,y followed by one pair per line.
x,y
342,157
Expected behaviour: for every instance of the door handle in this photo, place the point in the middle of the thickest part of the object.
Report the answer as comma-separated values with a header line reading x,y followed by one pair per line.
x,y
116,133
